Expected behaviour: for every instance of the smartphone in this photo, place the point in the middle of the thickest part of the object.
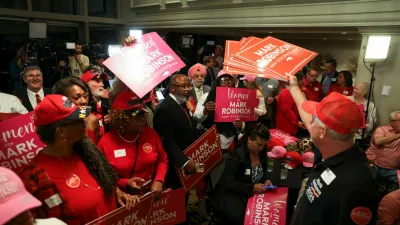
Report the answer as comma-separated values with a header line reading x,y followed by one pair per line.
x,y
145,183
270,187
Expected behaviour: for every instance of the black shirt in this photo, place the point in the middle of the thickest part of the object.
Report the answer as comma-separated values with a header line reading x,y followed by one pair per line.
x,y
339,191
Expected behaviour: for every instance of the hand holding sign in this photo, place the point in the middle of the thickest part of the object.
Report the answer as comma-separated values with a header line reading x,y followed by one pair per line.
x,y
190,168
133,182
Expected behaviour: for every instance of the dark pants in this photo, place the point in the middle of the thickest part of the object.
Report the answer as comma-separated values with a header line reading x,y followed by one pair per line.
x,y
387,180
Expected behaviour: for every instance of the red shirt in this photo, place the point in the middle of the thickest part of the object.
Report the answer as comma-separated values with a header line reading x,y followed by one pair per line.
x,y
287,114
152,161
313,91
347,91
45,177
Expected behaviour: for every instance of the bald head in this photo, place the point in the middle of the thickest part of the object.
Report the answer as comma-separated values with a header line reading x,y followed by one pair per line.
x,y
180,87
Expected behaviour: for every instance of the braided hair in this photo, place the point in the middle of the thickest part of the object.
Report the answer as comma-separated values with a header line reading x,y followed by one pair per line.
x,y
89,153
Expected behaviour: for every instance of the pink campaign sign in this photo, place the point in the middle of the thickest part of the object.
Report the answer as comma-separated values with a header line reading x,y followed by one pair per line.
x,y
144,65
268,208
276,133
19,142
235,103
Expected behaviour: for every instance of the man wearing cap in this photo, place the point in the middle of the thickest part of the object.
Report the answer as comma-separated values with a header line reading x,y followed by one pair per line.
x,y
99,104
340,189
197,73
16,202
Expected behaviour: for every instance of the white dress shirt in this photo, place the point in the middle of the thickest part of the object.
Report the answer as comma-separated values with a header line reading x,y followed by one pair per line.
x,y
32,97
11,104
199,92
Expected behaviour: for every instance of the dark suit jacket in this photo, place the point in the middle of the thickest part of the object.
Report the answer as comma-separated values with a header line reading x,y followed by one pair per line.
x,y
206,89
210,78
23,96
334,76
235,185
177,133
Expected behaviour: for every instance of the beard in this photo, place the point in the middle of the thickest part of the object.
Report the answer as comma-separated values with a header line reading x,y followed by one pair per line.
x,y
182,98
199,83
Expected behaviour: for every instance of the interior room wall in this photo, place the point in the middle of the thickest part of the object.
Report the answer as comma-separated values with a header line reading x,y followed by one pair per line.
x,y
341,50
386,74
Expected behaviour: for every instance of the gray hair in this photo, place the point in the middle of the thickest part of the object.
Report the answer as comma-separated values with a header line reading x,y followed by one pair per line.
x,y
335,135
30,68
366,88
393,115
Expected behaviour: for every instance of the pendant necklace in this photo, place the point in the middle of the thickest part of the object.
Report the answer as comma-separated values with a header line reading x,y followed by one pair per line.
x,y
74,181
137,136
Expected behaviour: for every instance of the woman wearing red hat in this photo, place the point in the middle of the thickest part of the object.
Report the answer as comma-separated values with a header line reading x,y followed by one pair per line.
x,y
287,115
134,150
76,91
70,176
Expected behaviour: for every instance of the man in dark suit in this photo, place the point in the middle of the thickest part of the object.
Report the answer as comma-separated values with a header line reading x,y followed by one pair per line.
x,y
208,62
329,76
34,93
176,127
197,73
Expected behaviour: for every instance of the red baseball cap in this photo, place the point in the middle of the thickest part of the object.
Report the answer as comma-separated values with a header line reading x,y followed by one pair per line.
x,y
292,160
129,102
54,108
337,112
90,75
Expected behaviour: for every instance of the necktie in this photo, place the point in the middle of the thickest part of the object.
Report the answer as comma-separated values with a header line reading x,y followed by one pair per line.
x,y
186,111
38,100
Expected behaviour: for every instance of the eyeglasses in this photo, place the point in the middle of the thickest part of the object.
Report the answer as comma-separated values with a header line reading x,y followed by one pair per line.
x,y
313,76
227,80
184,86
34,75
198,76
396,121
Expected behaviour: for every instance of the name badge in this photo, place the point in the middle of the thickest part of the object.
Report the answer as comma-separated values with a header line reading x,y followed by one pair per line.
x,y
119,153
333,79
247,172
345,92
328,176
100,123
53,201
316,89
270,86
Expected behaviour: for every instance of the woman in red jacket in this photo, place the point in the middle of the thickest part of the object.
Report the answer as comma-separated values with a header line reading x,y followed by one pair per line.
x,y
70,176
287,115
344,84
134,150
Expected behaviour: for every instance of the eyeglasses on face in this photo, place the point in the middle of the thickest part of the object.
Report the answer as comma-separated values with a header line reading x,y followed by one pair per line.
x,y
199,76
184,86
227,80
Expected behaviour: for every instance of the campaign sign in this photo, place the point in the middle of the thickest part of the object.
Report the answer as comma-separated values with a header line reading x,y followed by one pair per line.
x,y
205,152
267,208
137,215
145,64
19,142
235,103
278,57
276,133
170,209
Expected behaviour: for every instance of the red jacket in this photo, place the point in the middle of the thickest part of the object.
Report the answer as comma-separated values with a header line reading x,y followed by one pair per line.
x,y
346,91
313,92
287,114
151,163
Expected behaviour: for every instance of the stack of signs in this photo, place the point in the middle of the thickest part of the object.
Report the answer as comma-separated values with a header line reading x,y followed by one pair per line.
x,y
145,64
268,58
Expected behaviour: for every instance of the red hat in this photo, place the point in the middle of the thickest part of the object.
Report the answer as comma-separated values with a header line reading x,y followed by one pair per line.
x,y
54,108
129,102
248,78
337,112
275,142
292,160
90,75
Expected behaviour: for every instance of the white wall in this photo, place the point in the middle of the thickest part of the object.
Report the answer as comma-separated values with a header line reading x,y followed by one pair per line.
x,y
387,74
341,50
